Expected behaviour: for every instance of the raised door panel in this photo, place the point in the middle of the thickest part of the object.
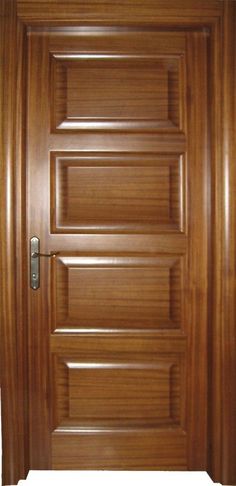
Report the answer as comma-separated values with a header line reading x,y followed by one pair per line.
x,y
119,413
118,293
115,91
117,192
102,391
116,79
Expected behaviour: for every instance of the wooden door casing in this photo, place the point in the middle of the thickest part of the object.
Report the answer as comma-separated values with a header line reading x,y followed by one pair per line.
x,y
222,469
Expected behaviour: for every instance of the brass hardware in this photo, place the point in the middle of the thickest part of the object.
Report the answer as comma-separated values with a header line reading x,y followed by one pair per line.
x,y
37,254
35,261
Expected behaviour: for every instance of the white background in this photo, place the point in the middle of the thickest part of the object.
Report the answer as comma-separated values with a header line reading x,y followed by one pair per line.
x,y
107,478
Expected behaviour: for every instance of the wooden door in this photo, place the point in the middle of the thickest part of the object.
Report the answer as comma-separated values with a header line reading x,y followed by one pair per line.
x,y
117,183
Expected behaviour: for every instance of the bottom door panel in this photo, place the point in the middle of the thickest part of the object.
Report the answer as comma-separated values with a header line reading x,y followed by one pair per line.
x,y
112,392
119,410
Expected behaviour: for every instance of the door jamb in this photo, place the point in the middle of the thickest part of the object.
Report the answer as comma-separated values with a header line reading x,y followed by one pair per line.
x,y
13,264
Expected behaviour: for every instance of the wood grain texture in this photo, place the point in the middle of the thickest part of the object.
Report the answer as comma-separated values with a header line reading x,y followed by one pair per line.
x,y
118,293
85,187
199,265
136,142
215,318
229,255
91,393
142,343
127,91
130,284
13,331
129,77
222,331
118,89
122,41
221,408
39,384
119,449
125,11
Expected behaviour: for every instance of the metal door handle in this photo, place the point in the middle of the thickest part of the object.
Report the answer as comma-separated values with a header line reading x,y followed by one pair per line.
x,y
35,255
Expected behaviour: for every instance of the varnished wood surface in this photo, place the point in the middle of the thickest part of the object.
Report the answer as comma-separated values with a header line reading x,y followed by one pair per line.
x,y
132,86
127,10
141,342
83,189
13,352
199,191
142,279
111,449
115,380
118,293
134,91
229,255
221,434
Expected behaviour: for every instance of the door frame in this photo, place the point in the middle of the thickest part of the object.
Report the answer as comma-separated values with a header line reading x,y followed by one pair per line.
x,y
220,19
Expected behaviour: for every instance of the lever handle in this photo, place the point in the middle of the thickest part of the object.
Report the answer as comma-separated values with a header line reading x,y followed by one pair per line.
x,y
35,255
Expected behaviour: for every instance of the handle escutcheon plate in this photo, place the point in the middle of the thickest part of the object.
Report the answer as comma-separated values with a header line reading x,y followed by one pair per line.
x,y
34,263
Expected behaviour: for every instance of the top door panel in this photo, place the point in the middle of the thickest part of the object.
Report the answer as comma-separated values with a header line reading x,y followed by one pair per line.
x,y
125,80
